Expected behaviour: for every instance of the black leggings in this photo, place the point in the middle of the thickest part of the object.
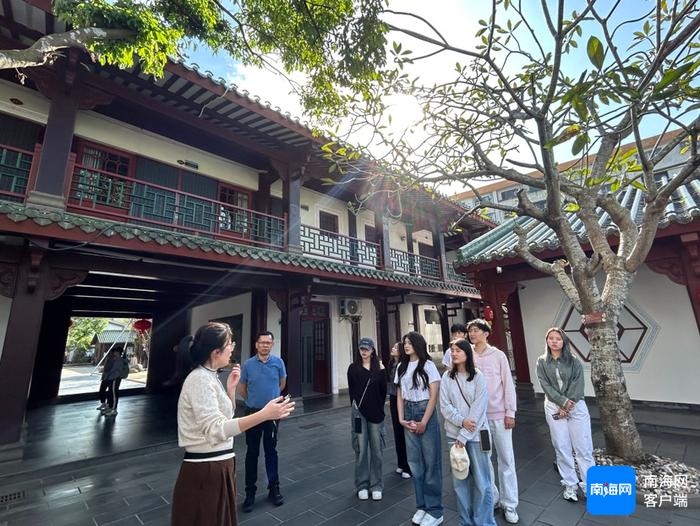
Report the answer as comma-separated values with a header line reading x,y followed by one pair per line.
x,y
113,393
103,390
399,438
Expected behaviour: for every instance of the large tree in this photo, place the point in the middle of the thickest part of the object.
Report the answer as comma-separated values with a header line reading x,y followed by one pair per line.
x,y
332,40
533,89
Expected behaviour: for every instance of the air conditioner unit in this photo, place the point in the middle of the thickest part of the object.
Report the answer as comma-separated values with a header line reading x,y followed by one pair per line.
x,y
350,307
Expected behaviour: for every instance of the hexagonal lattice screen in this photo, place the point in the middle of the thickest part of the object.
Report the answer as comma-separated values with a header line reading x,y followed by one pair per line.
x,y
636,331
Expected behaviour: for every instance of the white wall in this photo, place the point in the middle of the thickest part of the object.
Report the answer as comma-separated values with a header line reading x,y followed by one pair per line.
x,y
5,304
406,314
669,369
95,127
240,304
397,235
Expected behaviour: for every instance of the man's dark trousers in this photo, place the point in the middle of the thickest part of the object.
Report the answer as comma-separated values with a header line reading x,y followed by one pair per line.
x,y
268,432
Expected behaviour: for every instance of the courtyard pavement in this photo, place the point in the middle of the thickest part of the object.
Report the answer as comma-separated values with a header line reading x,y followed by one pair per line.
x,y
132,482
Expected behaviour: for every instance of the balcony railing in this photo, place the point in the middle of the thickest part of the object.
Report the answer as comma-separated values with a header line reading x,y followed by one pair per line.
x,y
15,166
102,193
454,277
349,250
415,265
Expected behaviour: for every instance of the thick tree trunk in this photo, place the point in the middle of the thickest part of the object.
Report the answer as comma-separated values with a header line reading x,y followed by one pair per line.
x,y
621,436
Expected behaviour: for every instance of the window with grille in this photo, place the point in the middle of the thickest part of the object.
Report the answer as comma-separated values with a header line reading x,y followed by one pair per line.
x,y
101,177
328,222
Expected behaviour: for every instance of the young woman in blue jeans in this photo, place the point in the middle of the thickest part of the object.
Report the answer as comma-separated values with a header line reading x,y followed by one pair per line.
x,y
417,395
463,403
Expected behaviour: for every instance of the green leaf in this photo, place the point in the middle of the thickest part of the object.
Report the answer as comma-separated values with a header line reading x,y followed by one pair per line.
x,y
671,76
572,207
579,144
639,186
615,186
595,52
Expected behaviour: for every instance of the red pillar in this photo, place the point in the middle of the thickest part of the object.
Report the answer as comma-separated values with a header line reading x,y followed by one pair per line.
x,y
517,336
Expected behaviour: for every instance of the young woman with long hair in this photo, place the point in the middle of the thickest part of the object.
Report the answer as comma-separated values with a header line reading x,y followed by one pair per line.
x,y
367,387
561,378
395,356
205,491
416,397
463,403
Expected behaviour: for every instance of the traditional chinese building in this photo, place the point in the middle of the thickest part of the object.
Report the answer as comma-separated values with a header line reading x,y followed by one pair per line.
x,y
659,328
182,200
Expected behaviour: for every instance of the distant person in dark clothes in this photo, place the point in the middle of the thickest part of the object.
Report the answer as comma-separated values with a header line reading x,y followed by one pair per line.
x,y
367,388
114,377
205,491
402,468
104,383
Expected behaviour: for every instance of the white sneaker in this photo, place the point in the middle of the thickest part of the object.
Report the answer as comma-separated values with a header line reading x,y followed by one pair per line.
x,y
511,515
363,494
405,475
418,517
110,412
101,407
376,495
399,471
570,494
429,520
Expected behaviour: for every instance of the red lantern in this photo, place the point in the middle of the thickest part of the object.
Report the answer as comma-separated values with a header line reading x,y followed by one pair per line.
x,y
142,325
488,313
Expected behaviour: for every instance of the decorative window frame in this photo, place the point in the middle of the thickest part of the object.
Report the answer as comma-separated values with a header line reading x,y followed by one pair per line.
x,y
642,347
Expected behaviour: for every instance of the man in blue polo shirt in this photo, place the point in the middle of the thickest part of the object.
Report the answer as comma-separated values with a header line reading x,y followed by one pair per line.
x,y
263,378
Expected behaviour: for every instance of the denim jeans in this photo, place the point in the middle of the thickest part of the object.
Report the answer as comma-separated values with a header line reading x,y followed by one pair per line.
x,y
268,432
368,447
425,458
473,494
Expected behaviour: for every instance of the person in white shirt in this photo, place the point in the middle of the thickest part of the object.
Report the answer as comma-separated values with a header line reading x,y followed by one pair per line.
x,y
418,385
206,427
458,331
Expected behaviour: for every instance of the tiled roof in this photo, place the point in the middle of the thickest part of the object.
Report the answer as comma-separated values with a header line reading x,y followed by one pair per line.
x,y
116,336
500,242
18,213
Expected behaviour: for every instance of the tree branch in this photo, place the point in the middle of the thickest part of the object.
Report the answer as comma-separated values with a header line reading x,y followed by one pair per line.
x,y
556,269
45,49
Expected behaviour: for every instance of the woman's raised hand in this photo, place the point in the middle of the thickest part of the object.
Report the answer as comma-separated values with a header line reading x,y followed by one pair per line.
x,y
233,378
277,408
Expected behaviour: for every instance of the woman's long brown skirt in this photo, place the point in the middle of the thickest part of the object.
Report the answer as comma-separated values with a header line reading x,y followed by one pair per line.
x,y
205,494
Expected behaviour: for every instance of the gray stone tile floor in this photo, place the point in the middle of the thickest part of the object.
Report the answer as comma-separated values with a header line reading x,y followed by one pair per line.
x,y
129,485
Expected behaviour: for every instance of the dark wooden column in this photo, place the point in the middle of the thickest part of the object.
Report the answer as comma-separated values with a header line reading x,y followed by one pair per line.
x,y
169,327
62,85
409,248
46,378
58,138
381,227
439,249
31,283
289,302
292,205
352,232
261,198
19,349
517,336
416,317
444,326
383,342
258,316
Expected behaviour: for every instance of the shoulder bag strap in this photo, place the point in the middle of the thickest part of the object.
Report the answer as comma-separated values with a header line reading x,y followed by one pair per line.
x,y
364,392
462,392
